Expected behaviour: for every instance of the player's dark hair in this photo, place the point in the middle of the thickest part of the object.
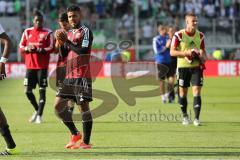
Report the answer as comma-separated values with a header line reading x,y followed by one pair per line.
x,y
38,13
73,8
63,17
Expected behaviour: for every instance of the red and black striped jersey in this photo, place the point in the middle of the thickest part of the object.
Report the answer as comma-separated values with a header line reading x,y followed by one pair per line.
x,y
79,49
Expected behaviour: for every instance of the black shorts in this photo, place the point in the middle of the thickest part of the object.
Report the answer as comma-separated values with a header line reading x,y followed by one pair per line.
x,y
173,65
60,75
36,76
164,71
77,89
187,75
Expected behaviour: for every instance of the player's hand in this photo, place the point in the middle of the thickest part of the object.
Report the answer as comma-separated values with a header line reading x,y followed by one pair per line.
x,y
60,36
31,48
168,43
188,53
40,50
195,53
2,71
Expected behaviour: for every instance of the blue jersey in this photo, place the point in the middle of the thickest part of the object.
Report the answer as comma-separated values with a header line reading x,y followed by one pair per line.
x,y
162,54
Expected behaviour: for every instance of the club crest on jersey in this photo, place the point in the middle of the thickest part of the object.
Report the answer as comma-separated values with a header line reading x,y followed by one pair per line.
x,y
41,36
192,44
78,35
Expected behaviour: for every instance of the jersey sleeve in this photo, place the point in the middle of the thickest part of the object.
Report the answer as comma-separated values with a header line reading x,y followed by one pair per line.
x,y
23,42
87,38
1,29
176,40
202,45
50,43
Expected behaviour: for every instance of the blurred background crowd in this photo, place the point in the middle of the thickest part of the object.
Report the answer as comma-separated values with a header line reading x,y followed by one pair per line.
x,y
115,20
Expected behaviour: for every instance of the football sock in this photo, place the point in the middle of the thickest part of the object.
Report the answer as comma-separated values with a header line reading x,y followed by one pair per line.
x,y
72,128
197,103
66,117
87,126
5,132
172,94
183,104
32,99
42,101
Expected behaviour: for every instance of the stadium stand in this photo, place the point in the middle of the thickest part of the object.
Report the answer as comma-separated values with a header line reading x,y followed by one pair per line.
x,y
114,19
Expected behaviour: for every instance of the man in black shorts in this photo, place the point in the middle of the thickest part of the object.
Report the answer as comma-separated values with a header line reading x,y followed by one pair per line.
x,y
76,45
4,127
161,47
188,45
36,44
172,69
61,63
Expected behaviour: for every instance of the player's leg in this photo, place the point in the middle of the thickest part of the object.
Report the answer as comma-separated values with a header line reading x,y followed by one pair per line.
x,y
162,90
30,82
87,122
197,82
61,110
161,75
171,95
42,82
171,80
71,105
5,132
184,82
83,97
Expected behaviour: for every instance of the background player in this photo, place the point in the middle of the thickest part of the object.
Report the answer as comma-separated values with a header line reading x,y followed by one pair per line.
x,y
36,44
161,45
61,63
78,84
4,128
188,45
173,67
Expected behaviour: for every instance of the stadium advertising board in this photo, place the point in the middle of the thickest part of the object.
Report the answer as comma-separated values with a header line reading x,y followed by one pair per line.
x,y
108,69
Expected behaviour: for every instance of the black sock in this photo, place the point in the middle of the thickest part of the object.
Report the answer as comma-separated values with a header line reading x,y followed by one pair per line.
x,y
42,101
66,117
72,128
87,126
32,99
183,104
197,103
172,95
7,137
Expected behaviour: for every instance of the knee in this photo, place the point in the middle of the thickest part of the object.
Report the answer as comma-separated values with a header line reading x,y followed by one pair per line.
x,y
196,91
87,116
28,91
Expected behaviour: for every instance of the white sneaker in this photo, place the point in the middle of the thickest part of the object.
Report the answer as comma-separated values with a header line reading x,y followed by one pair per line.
x,y
38,119
185,121
196,122
33,117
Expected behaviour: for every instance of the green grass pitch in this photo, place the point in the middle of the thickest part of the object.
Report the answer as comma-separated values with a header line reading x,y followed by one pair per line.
x,y
131,132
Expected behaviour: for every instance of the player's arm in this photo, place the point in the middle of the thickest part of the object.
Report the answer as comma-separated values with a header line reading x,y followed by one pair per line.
x,y
7,45
174,48
50,45
23,43
80,50
202,52
158,49
23,47
6,51
82,47
63,50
